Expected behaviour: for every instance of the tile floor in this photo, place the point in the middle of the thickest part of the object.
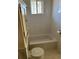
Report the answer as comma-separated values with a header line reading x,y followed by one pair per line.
x,y
50,52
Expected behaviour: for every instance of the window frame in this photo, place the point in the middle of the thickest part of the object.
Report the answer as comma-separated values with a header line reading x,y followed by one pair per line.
x,y
37,13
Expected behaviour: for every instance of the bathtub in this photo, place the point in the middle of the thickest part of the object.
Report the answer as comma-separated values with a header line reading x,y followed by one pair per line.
x,y
41,39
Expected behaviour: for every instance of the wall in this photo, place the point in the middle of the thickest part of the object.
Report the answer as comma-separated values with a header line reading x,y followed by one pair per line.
x,y
40,24
56,6
56,19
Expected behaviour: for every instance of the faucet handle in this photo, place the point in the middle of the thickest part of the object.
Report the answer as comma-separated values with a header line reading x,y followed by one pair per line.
x,y
59,31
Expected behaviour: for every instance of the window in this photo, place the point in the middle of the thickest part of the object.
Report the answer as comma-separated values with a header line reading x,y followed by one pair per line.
x,y
36,7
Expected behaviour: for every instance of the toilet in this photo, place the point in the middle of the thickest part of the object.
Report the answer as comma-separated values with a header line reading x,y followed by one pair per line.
x,y
37,53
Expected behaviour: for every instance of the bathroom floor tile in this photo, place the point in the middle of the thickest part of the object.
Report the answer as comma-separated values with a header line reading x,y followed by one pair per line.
x,y
52,54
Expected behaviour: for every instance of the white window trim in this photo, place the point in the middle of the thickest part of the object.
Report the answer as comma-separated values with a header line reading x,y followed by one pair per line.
x,y
37,8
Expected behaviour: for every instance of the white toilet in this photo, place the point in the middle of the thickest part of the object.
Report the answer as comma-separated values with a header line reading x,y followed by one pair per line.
x,y
37,53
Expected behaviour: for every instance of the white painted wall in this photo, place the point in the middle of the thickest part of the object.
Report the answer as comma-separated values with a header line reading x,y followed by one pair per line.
x,y
46,23
56,18
56,6
40,24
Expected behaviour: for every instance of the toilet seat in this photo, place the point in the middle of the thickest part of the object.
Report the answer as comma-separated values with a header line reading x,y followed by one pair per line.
x,y
37,52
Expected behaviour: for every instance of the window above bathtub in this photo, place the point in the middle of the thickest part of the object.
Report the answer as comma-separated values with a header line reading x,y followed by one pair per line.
x,y
37,6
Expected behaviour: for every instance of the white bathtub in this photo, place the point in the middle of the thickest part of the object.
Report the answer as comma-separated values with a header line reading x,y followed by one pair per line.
x,y
41,39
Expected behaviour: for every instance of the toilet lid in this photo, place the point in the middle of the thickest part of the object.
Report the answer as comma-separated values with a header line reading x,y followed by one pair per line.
x,y
37,52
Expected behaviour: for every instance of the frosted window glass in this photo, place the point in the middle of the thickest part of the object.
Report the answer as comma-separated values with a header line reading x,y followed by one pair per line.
x,y
39,6
36,7
33,6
